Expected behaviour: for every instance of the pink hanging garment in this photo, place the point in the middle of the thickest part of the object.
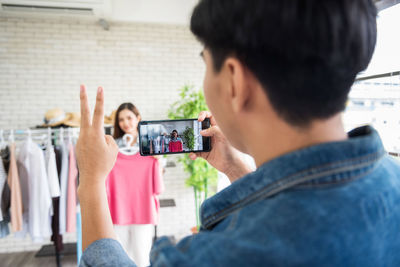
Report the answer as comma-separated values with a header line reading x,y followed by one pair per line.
x,y
16,198
71,191
132,188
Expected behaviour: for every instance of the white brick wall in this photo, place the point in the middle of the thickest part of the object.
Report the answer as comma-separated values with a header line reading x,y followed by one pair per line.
x,y
43,62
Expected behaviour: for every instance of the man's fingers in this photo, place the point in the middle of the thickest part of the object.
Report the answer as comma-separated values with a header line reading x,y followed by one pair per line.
x,y
207,114
194,156
202,115
98,115
85,112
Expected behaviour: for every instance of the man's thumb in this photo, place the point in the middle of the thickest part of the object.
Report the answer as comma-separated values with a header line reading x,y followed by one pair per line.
x,y
208,132
110,141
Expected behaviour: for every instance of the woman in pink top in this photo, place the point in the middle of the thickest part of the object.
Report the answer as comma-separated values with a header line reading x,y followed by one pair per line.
x,y
132,188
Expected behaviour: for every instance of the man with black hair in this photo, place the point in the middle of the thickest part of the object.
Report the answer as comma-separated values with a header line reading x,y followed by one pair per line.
x,y
278,73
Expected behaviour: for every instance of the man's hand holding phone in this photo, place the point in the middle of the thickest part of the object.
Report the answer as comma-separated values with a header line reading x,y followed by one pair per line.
x,y
223,156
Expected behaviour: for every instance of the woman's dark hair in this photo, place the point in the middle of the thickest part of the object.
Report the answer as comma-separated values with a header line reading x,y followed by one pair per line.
x,y
305,53
118,133
174,131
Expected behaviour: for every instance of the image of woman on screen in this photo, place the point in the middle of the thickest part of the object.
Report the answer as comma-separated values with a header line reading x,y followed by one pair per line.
x,y
175,144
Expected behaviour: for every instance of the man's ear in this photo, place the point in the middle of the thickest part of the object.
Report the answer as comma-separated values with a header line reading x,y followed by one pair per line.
x,y
240,92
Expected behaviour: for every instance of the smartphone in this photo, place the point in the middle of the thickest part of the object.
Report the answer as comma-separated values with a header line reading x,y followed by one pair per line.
x,y
173,137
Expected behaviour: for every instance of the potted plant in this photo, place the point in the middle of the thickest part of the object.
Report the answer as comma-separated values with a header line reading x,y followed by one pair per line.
x,y
202,176
188,136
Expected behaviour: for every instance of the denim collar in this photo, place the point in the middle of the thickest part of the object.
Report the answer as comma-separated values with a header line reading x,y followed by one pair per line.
x,y
323,164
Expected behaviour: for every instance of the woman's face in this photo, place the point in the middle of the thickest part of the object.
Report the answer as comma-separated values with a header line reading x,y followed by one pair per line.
x,y
128,121
175,134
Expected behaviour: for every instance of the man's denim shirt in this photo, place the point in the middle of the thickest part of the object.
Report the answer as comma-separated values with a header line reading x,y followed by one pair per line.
x,y
333,204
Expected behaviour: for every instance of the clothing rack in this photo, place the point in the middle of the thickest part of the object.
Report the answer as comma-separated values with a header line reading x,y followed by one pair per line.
x,y
39,135
383,75
41,130
383,4
44,131
377,76
395,154
65,130
51,134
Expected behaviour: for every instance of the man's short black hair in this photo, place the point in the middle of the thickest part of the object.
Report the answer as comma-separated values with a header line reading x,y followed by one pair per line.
x,y
305,53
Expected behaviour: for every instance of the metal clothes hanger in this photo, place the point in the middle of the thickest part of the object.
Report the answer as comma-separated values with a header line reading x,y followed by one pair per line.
x,y
61,136
11,136
69,135
128,149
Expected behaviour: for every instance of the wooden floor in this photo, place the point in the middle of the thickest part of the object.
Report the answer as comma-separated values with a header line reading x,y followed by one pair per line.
x,y
28,259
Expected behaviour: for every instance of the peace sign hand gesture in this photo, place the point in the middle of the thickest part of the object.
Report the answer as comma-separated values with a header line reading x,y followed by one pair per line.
x,y
96,152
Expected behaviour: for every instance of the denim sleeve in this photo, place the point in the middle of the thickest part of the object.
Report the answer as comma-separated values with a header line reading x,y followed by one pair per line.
x,y
203,249
105,252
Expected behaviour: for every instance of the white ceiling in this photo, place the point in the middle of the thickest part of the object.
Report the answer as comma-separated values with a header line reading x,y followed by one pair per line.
x,y
151,11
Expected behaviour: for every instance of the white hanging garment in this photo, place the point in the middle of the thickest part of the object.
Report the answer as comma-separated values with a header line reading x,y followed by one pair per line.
x,y
52,174
3,180
36,198
64,186
136,239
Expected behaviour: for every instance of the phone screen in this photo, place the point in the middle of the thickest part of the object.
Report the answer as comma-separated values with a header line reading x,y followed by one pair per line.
x,y
173,136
